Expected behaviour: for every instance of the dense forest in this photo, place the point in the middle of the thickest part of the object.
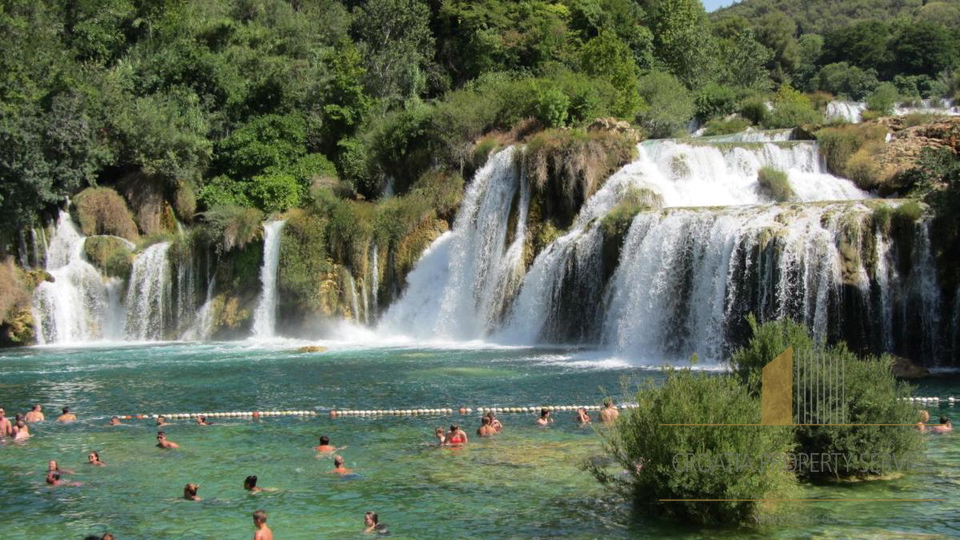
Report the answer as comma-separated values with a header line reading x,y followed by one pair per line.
x,y
360,122
246,103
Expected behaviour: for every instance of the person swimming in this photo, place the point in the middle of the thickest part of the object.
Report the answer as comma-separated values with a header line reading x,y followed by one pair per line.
x,y
34,415
582,417
202,420
945,426
495,422
262,532
53,479
67,416
609,413
94,459
371,523
325,447
22,431
6,428
115,421
250,484
161,421
441,437
544,417
339,468
162,441
53,466
456,436
190,492
485,429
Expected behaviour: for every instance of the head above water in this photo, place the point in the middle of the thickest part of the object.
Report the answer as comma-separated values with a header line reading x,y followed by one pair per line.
x,y
93,457
52,465
454,428
107,536
544,413
161,420
259,517
37,407
250,482
53,477
190,490
944,420
324,440
608,402
66,410
371,519
485,421
161,436
338,461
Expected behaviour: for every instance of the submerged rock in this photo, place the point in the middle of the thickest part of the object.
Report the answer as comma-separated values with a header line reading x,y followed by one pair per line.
x,y
906,369
312,349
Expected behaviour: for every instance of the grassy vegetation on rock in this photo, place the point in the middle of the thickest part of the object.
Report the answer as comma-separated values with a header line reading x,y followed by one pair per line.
x,y
775,184
103,211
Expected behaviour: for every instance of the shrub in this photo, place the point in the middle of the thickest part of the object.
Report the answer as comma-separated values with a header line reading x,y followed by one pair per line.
x,y
552,105
775,184
883,99
715,100
907,214
275,191
791,108
103,211
862,167
185,200
224,191
726,126
871,395
654,455
232,227
668,106
838,144
13,289
617,221
304,263
356,165
755,109
844,80
110,255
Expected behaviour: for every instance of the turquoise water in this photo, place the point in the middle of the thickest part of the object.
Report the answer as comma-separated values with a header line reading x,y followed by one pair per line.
x,y
526,483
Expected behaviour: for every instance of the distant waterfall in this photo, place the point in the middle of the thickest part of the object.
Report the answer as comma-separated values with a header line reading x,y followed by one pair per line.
x,y
699,174
460,285
149,295
202,325
752,135
186,289
848,111
265,317
73,307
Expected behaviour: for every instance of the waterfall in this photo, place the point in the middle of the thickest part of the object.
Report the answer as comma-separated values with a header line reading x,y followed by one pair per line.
x,y
375,277
848,111
354,299
461,284
203,323
265,317
887,280
928,292
186,282
698,174
753,135
72,308
927,106
149,294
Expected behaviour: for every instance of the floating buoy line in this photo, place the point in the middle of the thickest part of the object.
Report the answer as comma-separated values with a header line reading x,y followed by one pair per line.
x,y
336,413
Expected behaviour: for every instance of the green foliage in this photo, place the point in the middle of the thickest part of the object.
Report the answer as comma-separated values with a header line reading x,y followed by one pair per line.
x,y
715,100
606,56
616,222
232,227
775,184
103,211
755,109
871,396
109,255
791,108
682,39
345,104
275,191
668,105
883,99
654,455
263,142
839,144
552,108
743,59
842,79
726,126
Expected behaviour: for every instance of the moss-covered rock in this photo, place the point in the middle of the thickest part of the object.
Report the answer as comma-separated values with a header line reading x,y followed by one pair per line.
x,y
304,268
231,319
16,318
847,149
237,291
102,210
146,196
568,166
109,254
775,184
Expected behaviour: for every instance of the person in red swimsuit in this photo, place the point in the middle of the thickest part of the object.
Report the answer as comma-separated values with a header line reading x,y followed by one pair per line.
x,y
456,436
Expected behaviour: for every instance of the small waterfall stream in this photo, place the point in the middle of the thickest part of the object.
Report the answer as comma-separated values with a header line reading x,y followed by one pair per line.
x,y
265,317
149,295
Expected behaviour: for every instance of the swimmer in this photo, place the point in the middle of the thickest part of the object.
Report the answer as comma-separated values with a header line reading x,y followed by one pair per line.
x,y
544,417
53,466
53,479
945,426
6,428
22,431
441,437
93,458
190,492
161,421
162,441
250,484
67,416
582,417
921,427
325,446
456,436
107,536
609,414
34,415
115,421
486,430
202,420
338,466
495,422
924,416
371,524
260,524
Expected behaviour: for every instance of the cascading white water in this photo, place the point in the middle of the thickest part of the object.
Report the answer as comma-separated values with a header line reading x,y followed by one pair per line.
x,y
148,294
698,174
203,323
265,317
888,280
928,292
354,299
73,307
848,111
186,283
928,106
753,135
375,277
458,288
